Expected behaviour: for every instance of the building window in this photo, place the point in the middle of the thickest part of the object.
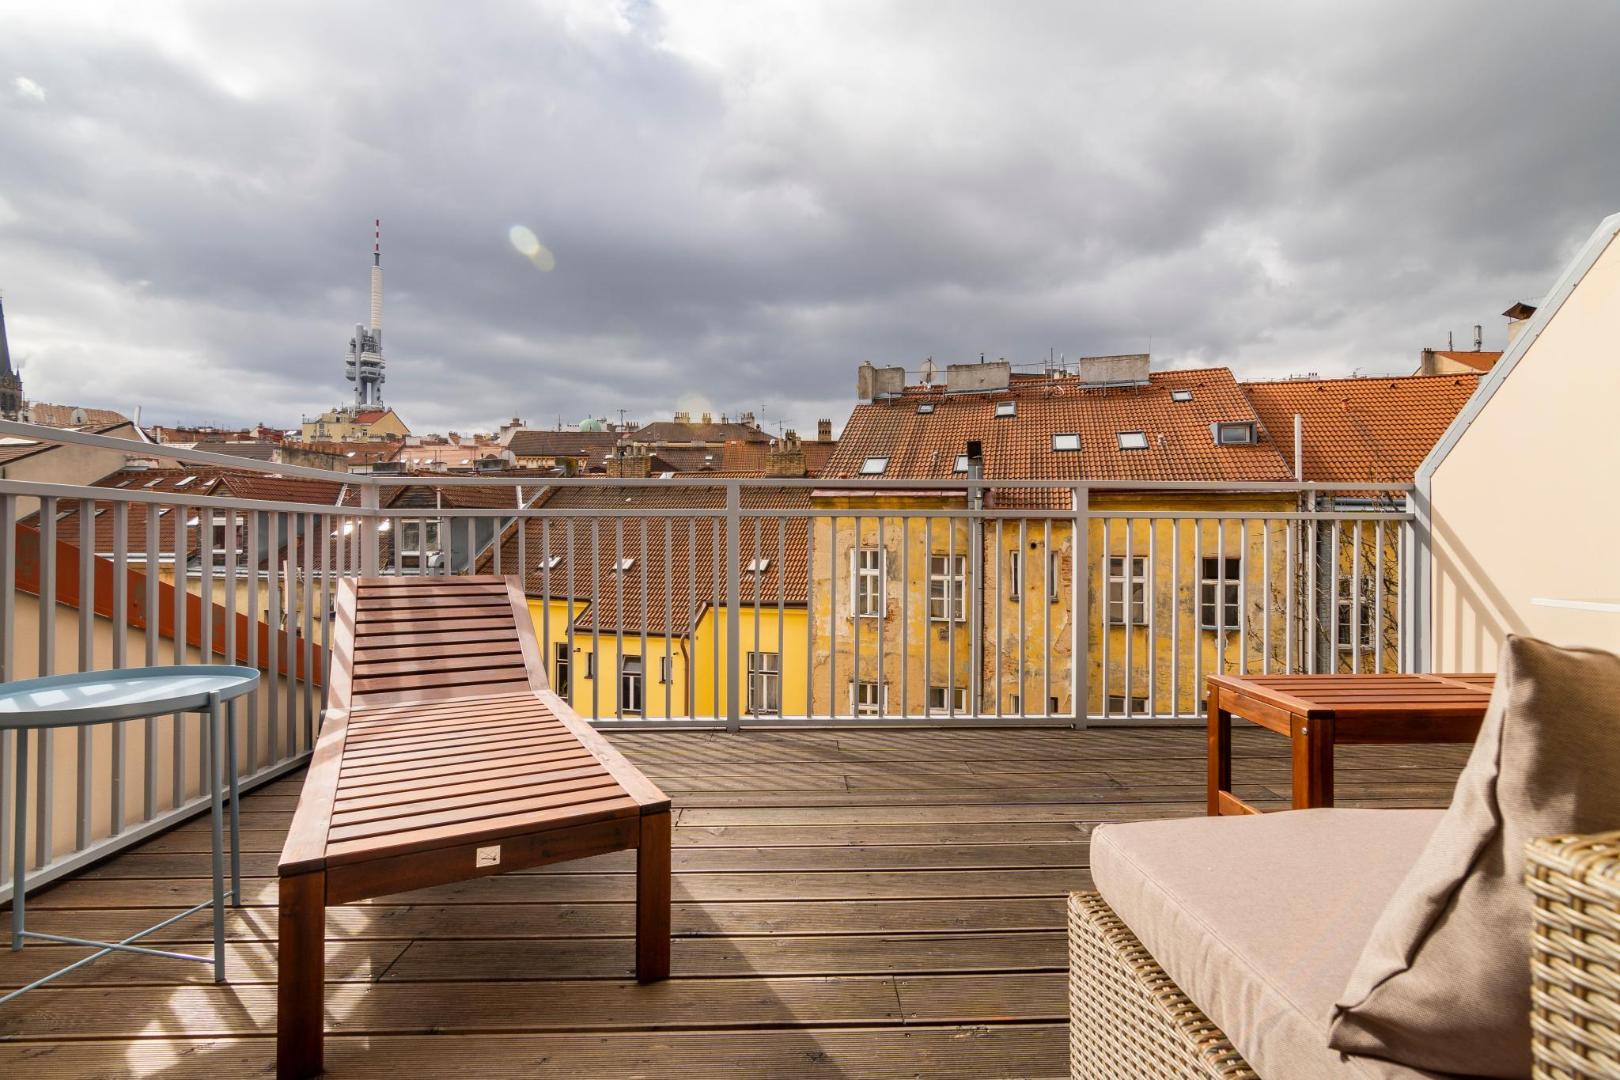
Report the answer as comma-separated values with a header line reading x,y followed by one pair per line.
x,y
1014,704
866,588
1052,564
764,682
624,564
418,543
563,681
941,705
947,587
1221,578
590,665
1181,395
960,464
630,684
1127,575
1015,574
757,565
1120,705
1235,434
1132,440
1006,408
1347,614
868,698
666,669
874,466
550,562
1065,442
925,408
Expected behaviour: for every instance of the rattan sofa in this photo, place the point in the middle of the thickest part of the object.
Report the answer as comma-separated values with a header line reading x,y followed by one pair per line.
x,y
1130,1021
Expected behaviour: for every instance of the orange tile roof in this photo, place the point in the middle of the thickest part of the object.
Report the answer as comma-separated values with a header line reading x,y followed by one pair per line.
x,y
1479,361
1361,429
67,416
1180,443
690,556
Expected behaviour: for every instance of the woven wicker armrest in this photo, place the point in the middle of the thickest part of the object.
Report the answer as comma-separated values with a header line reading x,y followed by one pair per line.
x,y
1575,956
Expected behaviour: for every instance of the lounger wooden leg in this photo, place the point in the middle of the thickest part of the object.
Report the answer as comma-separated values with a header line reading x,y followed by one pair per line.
x,y
301,976
653,898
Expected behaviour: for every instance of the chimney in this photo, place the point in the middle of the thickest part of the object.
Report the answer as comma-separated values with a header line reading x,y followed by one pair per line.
x,y
747,419
872,383
824,431
786,457
630,462
1128,370
1518,317
683,417
707,418
1479,337
967,378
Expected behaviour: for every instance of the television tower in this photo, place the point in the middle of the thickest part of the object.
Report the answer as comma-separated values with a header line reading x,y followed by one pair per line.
x,y
364,364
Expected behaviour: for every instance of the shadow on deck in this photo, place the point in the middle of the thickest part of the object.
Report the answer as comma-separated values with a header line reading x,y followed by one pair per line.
x,y
863,903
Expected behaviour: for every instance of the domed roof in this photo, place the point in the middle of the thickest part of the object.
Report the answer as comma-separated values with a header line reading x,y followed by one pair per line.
x,y
589,424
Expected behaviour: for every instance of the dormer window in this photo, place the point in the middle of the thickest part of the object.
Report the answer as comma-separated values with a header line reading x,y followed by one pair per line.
x,y
1065,441
1181,395
1006,408
925,408
874,466
1235,433
1132,440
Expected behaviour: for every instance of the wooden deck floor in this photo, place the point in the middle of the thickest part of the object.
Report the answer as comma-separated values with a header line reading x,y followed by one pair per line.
x,y
847,903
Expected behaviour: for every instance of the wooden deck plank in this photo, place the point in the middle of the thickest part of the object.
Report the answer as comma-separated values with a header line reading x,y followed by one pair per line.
x,y
882,903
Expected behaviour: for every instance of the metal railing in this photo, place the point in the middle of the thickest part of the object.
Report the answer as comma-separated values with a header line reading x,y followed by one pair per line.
x,y
709,601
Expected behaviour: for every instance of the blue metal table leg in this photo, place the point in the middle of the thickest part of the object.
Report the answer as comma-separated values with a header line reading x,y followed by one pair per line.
x,y
236,831
19,847
215,749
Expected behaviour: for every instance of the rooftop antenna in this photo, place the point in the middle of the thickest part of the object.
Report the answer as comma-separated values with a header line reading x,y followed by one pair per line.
x,y
1450,346
376,278
1479,337
928,371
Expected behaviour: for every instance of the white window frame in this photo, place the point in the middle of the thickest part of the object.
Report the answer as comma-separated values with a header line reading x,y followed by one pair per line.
x,y
1347,614
925,408
632,684
874,466
625,564
1120,705
947,588
666,670
868,698
1065,442
960,465
1052,567
1131,440
764,684
1250,435
563,671
1230,575
1119,574
868,582
550,562
1181,395
939,704
757,565
1006,409
1015,574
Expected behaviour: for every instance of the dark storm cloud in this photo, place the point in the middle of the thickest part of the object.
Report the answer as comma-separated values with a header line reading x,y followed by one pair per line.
x,y
745,203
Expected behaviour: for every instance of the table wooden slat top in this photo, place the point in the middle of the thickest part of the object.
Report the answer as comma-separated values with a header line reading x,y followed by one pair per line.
x,y
1316,712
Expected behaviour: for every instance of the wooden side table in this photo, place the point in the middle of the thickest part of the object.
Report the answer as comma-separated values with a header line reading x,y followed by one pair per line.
x,y
1318,712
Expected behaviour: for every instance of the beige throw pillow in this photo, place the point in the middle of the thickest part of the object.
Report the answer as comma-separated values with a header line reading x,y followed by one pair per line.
x,y
1444,980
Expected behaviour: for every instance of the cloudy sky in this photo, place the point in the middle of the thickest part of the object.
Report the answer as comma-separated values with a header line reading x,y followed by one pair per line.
x,y
740,203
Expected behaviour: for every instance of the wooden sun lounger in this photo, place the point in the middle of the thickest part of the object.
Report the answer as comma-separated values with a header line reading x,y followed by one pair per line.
x,y
445,756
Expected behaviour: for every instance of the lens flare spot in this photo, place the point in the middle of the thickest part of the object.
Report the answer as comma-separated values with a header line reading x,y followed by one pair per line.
x,y
529,246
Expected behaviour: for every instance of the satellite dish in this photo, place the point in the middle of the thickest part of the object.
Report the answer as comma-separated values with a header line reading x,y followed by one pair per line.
x,y
929,371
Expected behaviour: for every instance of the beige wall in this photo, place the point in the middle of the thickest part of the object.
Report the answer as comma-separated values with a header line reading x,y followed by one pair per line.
x,y
1525,506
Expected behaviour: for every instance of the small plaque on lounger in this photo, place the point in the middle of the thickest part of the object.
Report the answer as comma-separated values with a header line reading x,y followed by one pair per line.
x,y
489,856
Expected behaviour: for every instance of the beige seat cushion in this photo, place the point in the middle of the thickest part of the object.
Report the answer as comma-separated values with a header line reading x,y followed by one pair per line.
x,y
1444,982
1260,919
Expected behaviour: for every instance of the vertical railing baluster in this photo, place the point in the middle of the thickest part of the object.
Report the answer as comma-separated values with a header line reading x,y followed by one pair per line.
x,y
1334,541
857,544
905,615
1355,596
1080,605
8,668
781,617
308,596
809,618
120,659
669,618
1001,603
1245,572
1265,596
1378,597
255,522
1150,616
643,557
733,603
574,674
952,598
1199,579
1176,711
596,621
44,828
182,582
621,587
719,579
149,614
84,745
691,617
759,578
1127,560
832,620
1025,579
928,614
1107,605
548,652
882,617
273,631
1313,603
205,627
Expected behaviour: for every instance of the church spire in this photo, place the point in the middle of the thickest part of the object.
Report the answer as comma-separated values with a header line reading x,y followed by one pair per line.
x,y
10,382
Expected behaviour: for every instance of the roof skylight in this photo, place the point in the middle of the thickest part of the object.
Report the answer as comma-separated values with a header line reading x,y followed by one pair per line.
x,y
924,408
550,563
625,563
185,481
960,464
1181,395
874,466
757,565
1066,441
1006,408
1133,440
1235,433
